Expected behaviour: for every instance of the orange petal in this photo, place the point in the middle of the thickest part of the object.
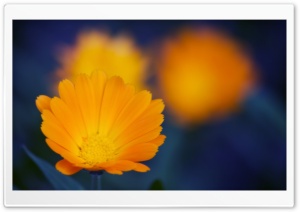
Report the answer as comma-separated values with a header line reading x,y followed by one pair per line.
x,y
67,119
110,104
123,165
159,140
113,171
66,167
118,167
156,106
140,152
68,95
86,100
134,108
43,102
141,168
141,139
98,79
53,129
145,125
64,152
126,94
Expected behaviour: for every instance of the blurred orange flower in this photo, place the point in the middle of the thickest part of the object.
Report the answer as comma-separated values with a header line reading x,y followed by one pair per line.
x,y
96,50
99,123
203,74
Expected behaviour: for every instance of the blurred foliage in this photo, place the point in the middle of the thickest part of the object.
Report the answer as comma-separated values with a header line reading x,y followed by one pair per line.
x,y
156,185
58,180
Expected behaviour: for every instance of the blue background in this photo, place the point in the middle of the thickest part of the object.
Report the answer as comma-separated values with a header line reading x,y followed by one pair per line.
x,y
244,151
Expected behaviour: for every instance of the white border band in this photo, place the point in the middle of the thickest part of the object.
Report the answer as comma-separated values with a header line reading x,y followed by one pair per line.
x,y
147,198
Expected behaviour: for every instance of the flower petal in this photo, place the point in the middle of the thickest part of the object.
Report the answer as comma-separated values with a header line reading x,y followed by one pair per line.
x,y
124,143
120,166
66,167
43,102
98,79
141,168
146,125
67,119
135,107
159,140
86,99
113,171
110,104
156,106
64,152
125,96
54,130
68,95
123,165
140,152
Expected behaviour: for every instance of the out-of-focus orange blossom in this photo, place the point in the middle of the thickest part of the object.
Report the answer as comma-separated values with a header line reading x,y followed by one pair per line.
x,y
204,74
95,50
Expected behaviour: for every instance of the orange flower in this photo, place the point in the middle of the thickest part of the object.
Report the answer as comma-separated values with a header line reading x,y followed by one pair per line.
x,y
98,51
100,123
203,74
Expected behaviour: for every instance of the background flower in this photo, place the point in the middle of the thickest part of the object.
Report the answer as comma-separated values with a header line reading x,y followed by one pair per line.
x,y
212,74
95,50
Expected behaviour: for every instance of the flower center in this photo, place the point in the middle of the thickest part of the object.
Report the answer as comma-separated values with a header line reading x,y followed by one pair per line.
x,y
97,149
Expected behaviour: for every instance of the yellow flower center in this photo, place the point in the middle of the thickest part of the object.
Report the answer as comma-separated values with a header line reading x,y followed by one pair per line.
x,y
97,149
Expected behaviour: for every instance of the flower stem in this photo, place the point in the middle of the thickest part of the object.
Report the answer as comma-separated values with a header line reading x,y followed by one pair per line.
x,y
96,180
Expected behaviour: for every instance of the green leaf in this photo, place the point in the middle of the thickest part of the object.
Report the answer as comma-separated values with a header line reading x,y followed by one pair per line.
x,y
156,185
58,180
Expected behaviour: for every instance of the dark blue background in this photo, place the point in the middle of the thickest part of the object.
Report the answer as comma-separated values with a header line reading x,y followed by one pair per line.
x,y
245,151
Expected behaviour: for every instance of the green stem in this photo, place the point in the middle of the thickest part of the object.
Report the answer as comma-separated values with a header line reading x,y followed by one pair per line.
x,y
96,180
